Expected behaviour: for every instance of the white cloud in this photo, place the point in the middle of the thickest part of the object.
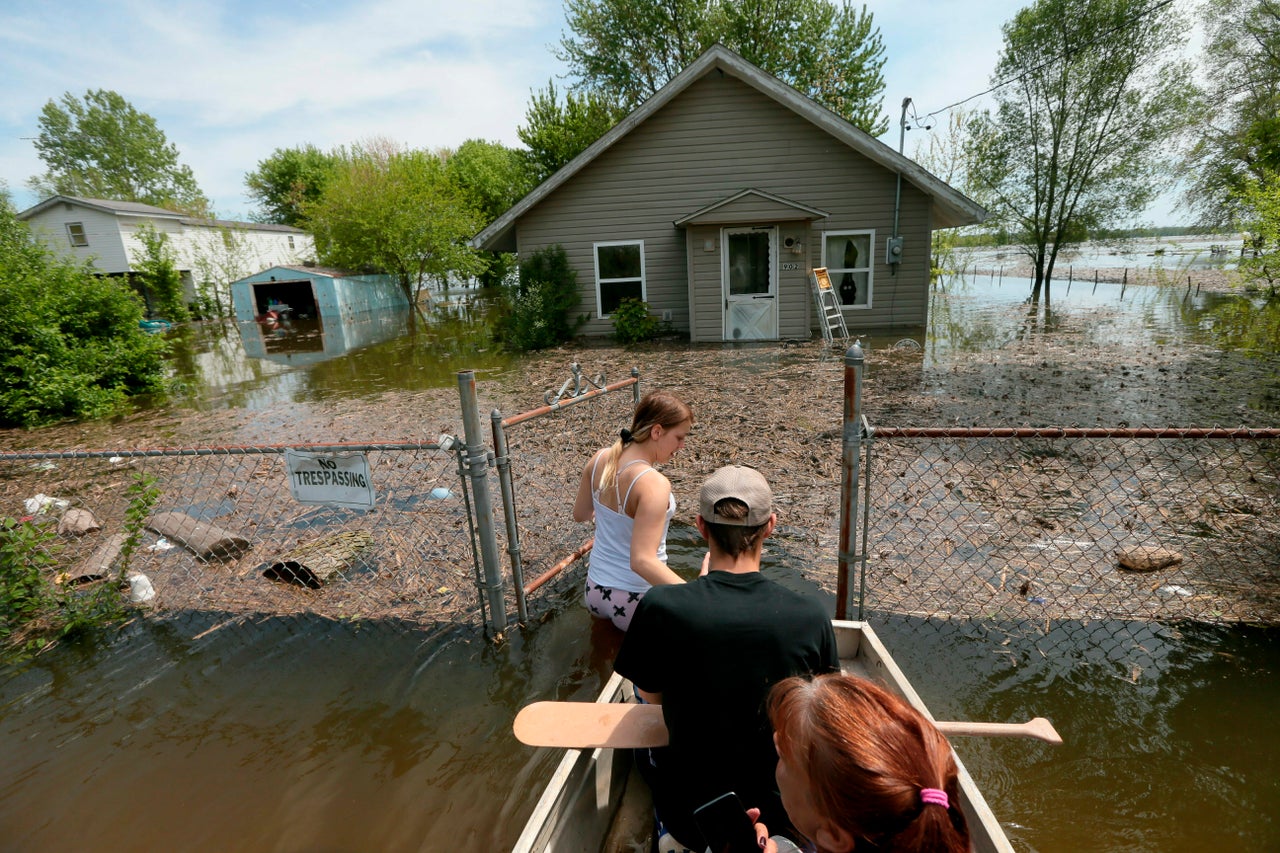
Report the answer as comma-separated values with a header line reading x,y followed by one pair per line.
x,y
231,82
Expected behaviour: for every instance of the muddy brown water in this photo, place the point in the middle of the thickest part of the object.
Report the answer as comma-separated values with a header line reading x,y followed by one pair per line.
x,y
213,731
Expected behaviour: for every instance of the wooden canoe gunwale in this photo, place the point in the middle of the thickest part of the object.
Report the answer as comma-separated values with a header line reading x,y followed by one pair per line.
x,y
577,808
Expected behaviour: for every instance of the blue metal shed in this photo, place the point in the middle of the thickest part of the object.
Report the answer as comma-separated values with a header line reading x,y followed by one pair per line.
x,y
303,292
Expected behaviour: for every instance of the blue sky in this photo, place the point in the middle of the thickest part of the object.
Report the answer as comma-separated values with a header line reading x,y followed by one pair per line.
x,y
229,82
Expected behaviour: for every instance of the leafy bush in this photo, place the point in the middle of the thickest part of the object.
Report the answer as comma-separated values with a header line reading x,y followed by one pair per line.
x,y
633,323
541,303
70,343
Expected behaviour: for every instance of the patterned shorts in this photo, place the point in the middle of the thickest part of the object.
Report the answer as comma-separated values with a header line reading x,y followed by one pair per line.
x,y
616,605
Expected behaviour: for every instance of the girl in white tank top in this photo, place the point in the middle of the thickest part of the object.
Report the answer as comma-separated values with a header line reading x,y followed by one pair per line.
x,y
632,505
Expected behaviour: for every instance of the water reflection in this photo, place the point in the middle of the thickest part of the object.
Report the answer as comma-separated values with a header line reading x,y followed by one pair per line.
x,y
1189,252
1167,745
975,313
249,366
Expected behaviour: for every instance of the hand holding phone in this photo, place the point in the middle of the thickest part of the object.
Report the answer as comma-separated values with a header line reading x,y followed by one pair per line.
x,y
726,826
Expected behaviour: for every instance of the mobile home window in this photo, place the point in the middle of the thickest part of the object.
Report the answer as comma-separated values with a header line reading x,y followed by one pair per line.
x,y
619,275
75,231
847,255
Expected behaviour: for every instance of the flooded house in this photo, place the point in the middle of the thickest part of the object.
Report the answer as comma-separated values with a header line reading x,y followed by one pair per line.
x,y
715,199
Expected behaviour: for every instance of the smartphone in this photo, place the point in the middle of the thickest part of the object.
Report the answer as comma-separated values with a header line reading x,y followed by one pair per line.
x,y
725,825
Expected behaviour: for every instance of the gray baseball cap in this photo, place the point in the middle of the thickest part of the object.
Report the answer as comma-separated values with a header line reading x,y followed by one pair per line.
x,y
735,481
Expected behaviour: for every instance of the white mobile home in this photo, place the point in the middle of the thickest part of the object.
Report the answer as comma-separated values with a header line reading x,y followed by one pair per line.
x,y
207,252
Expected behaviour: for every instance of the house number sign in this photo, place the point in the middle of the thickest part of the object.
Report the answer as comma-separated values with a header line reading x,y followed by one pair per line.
x,y
788,267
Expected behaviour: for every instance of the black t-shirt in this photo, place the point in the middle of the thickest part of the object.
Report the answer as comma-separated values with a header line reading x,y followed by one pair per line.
x,y
713,648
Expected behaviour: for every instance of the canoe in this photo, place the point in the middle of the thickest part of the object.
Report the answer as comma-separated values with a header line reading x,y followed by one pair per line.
x,y
596,801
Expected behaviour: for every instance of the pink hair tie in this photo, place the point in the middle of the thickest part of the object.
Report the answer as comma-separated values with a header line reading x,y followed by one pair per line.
x,y
935,797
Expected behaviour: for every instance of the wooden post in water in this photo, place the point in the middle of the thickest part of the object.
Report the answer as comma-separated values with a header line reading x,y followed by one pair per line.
x,y
1126,276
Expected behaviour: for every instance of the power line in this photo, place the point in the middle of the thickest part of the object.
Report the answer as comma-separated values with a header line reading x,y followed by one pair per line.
x,y
1066,51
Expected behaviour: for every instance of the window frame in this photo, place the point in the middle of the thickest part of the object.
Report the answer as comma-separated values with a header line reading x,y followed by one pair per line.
x,y
83,236
869,268
595,260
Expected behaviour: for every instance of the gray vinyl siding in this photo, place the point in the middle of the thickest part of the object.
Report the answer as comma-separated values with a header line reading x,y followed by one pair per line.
x,y
106,248
716,138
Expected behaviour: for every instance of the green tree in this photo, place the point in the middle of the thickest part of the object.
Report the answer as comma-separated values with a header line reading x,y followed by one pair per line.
x,y
1239,140
70,343
102,147
397,211
628,49
158,277
555,133
1259,214
1090,99
493,177
288,180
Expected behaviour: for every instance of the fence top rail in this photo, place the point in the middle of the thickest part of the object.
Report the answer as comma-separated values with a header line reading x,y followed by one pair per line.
x,y
562,404
1074,432
241,450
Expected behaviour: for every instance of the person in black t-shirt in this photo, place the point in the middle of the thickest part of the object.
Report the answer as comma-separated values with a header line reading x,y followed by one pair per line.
x,y
710,650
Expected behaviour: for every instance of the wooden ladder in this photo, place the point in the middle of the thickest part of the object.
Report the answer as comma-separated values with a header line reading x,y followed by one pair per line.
x,y
829,312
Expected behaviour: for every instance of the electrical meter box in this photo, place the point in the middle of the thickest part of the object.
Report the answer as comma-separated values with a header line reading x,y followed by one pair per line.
x,y
893,250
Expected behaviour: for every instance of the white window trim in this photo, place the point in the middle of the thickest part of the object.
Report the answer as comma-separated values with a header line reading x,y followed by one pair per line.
x,y
595,262
71,235
870,268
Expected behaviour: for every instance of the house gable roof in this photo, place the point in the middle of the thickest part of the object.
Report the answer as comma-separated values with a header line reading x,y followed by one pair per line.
x,y
949,206
137,208
744,206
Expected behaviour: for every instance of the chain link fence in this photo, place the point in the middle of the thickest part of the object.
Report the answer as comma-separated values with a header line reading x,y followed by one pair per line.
x,y
226,532
540,454
1074,524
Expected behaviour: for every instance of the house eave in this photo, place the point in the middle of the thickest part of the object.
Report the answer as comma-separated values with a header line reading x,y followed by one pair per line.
x,y
950,207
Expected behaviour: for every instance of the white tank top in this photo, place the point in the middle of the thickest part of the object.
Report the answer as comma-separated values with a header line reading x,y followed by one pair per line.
x,y
610,561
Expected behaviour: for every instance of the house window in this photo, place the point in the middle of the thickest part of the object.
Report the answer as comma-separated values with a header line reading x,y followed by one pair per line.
x,y
290,241
847,255
619,275
75,231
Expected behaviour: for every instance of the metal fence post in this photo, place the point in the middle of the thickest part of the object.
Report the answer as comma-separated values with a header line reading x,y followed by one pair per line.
x,y
503,460
635,389
478,462
849,460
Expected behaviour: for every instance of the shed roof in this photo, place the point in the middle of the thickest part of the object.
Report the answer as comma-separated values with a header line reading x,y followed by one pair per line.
x,y
950,207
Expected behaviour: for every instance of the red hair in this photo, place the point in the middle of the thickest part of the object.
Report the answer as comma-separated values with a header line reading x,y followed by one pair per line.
x,y
867,754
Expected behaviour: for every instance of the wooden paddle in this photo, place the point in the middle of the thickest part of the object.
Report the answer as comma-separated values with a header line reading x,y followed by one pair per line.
x,y
614,725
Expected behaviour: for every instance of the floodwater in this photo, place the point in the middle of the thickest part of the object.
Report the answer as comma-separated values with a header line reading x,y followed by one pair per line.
x,y
300,734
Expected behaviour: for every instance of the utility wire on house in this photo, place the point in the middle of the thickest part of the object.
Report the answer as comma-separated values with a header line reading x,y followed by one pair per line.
x,y
1066,51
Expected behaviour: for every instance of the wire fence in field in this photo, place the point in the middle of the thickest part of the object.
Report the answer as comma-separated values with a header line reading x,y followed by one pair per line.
x,y
1079,524
226,532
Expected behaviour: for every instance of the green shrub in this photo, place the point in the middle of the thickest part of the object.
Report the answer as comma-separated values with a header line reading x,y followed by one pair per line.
x,y
70,343
541,303
633,323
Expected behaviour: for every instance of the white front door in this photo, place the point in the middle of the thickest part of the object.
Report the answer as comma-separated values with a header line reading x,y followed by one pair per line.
x,y
749,261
